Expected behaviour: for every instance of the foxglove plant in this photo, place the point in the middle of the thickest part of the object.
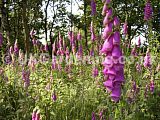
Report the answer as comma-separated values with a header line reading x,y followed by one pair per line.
x,y
152,86
54,97
113,71
148,11
25,77
93,7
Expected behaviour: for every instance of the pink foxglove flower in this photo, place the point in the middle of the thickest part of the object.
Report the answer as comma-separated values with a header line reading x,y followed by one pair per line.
x,y
93,7
113,69
148,11
152,86
54,97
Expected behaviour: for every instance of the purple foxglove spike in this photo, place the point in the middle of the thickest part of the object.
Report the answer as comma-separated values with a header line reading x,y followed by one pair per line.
x,y
152,86
148,11
116,38
125,28
105,9
93,116
116,52
107,30
95,72
16,49
93,7
108,45
79,37
116,93
34,115
116,22
1,39
139,42
54,97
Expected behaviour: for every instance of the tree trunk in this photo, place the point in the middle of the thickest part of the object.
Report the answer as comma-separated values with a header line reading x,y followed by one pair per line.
x,y
25,25
46,14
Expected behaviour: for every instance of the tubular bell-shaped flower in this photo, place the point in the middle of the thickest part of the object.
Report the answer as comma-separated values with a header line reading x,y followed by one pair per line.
x,y
113,68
